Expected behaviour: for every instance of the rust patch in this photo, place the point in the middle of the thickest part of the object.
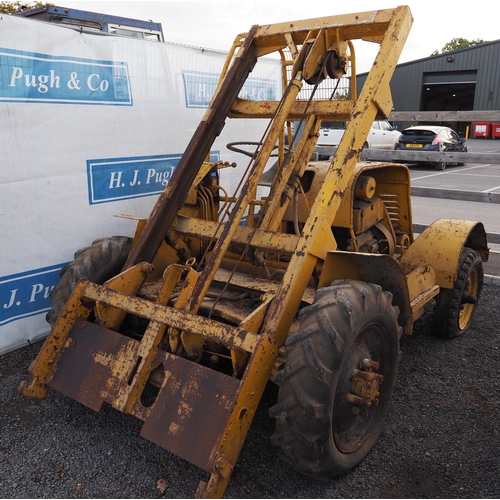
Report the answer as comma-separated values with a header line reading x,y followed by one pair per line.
x,y
191,410
352,153
84,371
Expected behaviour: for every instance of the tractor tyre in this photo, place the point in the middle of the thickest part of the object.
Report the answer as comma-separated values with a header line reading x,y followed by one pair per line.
x,y
97,263
336,386
455,308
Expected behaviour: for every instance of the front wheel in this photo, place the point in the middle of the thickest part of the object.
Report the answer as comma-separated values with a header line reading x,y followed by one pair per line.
x,y
336,386
456,307
97,263
441,165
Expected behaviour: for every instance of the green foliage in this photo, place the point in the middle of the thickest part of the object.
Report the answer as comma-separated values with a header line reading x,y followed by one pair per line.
x,y
456,44
341,95
11,7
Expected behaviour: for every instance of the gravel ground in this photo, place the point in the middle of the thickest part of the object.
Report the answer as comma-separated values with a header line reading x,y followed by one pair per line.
x,y
441,439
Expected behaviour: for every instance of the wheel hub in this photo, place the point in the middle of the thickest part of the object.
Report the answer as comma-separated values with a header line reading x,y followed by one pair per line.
x,y
365,385
468,300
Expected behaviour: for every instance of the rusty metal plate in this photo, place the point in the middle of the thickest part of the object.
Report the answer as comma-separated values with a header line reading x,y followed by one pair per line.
x,y
87,369
191,410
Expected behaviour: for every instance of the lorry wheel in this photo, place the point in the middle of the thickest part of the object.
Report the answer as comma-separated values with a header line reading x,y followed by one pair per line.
x,y
337,382
455,307
441,165
97,263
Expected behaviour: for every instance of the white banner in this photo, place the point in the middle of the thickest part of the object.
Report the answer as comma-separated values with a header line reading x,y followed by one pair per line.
x,y
92,126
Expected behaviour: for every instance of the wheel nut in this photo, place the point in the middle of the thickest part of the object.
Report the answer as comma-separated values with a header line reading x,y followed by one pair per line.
x,y
369,363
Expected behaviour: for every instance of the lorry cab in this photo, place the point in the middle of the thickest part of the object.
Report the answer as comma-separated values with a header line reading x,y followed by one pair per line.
x,y
92,21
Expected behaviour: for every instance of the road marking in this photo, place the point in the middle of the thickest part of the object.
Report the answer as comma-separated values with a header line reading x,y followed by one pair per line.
x,y
490,190
426,176
462,169
482,175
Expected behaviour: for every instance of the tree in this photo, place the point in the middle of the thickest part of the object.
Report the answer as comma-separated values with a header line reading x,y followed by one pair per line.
x,y
456,44
11,7
341,95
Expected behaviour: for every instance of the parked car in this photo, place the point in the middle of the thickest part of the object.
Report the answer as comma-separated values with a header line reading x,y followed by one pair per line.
x,y
431,138
382,135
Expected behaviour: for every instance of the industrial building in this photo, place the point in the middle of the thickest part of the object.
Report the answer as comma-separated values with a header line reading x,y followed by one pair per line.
x,y
463,80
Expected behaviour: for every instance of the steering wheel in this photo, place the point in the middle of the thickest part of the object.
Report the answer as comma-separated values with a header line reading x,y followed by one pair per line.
x,y
234,146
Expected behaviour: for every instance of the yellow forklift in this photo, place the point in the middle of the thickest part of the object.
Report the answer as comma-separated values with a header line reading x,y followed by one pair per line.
x,y
311,286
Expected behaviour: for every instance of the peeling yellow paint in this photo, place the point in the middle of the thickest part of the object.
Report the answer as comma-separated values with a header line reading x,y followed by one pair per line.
x,y
174,428
191,387
184,409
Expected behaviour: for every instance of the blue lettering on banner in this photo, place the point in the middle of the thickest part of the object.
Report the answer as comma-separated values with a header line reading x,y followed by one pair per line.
x,y
27,294
114,179
200,87
42,78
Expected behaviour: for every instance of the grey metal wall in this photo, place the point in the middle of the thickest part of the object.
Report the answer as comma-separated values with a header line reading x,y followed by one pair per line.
x,y
406,83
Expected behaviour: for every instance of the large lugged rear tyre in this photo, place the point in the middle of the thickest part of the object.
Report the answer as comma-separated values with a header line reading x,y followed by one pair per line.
x,y
456,307
97,263
336,386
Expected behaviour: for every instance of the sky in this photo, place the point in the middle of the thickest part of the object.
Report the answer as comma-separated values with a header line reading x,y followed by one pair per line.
x,y
214,24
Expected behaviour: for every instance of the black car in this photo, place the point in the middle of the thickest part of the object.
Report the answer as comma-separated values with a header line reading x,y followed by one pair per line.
x,y
431,138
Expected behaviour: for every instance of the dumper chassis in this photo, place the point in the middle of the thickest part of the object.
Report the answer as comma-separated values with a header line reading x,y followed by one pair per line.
x,y
312,286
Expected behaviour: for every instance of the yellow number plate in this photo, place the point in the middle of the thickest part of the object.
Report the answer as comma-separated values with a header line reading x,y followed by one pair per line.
x,y
414,146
